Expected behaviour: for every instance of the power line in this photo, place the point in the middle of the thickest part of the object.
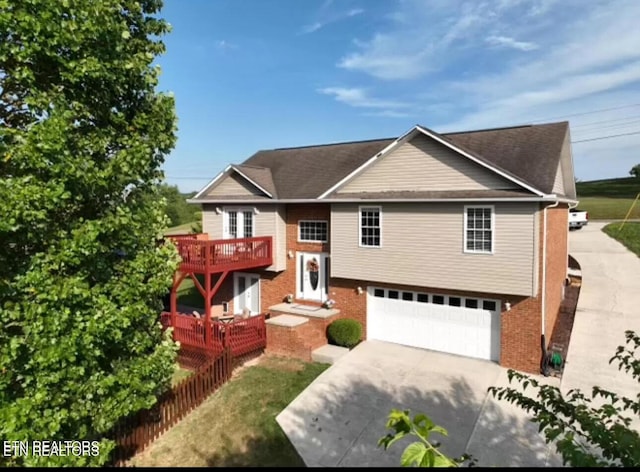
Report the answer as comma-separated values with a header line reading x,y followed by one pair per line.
x,y
582,125
605,137
587,112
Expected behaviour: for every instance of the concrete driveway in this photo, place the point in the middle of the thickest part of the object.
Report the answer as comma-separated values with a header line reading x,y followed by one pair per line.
x,y
339,418
609,304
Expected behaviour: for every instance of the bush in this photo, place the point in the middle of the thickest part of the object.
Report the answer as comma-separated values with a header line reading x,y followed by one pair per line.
x,y
344,332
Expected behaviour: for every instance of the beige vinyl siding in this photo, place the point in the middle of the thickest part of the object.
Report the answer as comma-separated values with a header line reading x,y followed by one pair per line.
x,y
233,185
422,244
424,164
268,222
558,182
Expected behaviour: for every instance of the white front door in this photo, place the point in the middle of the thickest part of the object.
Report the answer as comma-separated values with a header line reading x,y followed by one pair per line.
x,y
238,223
246,293
312,276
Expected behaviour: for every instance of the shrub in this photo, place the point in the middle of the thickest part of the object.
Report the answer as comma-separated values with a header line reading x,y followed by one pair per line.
x,y
344,332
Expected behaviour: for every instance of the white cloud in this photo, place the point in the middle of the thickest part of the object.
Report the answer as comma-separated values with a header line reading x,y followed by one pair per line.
x,y
327,17
224,44
481,64
389,114
358,97
511,43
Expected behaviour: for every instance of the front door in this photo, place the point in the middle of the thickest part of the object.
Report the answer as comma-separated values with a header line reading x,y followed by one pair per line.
x,y
312,276
246,293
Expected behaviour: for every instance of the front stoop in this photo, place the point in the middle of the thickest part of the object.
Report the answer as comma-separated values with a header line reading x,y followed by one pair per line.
x,y
329,354
296,330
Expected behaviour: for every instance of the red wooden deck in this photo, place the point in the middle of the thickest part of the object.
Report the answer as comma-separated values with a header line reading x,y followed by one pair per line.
x,y
242,335
200,255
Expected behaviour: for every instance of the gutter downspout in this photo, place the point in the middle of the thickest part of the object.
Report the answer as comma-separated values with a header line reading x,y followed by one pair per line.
x,y
543,341
571,207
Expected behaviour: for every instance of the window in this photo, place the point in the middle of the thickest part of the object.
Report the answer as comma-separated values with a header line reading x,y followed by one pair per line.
x,y
407,296
233,224
489,305
471,303
393,294
423,298
314,231
378,292
438,299
248,224
454,301
478,229
370,226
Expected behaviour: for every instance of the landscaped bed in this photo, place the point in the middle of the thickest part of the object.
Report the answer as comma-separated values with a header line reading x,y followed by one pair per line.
x,y
629,234
236,426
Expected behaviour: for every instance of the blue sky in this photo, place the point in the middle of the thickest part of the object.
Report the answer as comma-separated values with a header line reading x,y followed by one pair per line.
x,y
260,74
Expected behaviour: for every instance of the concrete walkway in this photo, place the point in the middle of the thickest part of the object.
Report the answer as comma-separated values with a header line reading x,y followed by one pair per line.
x,y
339,418
609,304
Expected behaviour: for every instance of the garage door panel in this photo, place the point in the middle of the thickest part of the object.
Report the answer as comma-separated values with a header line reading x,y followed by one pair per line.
x,y
458,330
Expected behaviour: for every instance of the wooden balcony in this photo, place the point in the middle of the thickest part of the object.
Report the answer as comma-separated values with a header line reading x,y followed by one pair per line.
x,y
202,256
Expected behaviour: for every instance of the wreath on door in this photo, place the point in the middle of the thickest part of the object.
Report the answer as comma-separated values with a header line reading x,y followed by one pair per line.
x,y
312,265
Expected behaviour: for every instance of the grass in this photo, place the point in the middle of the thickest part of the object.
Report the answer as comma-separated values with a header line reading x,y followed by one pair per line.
x,y
236,426
601,208
626,187
629,235
180,229
179,374
189,295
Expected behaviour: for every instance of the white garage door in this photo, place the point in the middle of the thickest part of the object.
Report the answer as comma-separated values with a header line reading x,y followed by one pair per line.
x,y
468,326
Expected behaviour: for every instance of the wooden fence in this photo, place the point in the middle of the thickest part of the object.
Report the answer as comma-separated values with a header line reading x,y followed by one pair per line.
x,y
135,433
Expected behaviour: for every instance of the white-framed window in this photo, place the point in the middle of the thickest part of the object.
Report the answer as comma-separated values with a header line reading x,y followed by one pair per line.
x,y
479,230
457,301
313,231
238,223
370,226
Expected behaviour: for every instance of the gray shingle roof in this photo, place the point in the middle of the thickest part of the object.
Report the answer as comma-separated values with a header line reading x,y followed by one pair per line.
x,y
529,153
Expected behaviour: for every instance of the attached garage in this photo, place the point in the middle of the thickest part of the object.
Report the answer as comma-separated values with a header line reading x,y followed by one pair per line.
x,y
468,326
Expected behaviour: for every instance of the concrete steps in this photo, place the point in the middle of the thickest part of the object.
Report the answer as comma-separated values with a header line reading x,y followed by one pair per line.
x,y
328,354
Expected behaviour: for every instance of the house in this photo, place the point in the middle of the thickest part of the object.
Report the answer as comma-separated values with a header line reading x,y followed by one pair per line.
x,y
455,242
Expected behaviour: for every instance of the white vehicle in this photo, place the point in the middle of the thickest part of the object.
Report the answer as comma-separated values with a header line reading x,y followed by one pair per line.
x,y
577,218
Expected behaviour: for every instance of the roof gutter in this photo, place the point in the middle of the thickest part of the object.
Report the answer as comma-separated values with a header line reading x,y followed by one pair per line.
x,y
546,198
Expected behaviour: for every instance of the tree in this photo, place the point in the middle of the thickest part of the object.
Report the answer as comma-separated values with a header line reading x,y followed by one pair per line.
x,y
588,431
83,134
635,171
177,209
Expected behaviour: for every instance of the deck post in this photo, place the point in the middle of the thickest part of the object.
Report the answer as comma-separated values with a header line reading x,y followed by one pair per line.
x,y
207,310
174,300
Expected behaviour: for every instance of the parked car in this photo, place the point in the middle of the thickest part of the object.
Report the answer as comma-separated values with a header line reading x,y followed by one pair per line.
x,y
577,218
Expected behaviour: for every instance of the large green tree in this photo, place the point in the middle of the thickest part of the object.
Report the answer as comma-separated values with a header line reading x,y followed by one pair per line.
x,y
83,134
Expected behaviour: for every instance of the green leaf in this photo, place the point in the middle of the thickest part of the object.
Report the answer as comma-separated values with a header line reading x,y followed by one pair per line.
x,y
413,454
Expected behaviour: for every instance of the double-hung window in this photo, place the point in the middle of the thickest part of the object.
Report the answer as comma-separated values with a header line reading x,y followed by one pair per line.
x,y
479,229
370,227
238,223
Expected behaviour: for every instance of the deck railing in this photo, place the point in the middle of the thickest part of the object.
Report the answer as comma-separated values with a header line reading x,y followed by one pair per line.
x,y
242,335
202,256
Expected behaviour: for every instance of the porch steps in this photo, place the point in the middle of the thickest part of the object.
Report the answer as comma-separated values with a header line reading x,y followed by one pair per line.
x,y
329,354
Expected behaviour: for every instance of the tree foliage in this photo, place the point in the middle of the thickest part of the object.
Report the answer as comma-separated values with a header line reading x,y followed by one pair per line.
x,y
587,430
635,171
424,452
83,134
176,207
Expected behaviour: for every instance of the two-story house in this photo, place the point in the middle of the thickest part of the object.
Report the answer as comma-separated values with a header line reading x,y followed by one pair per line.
x,y
454,242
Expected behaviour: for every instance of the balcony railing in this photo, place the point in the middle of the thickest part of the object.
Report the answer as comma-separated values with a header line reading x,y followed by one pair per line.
x,y
202,256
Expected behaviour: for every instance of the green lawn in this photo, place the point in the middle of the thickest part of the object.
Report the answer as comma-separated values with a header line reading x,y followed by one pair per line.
x,y
629,235
189,295
601,208
236,426
181,229
626,187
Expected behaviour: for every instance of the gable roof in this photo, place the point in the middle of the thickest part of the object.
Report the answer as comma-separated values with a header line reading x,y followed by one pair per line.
x,y
528,155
